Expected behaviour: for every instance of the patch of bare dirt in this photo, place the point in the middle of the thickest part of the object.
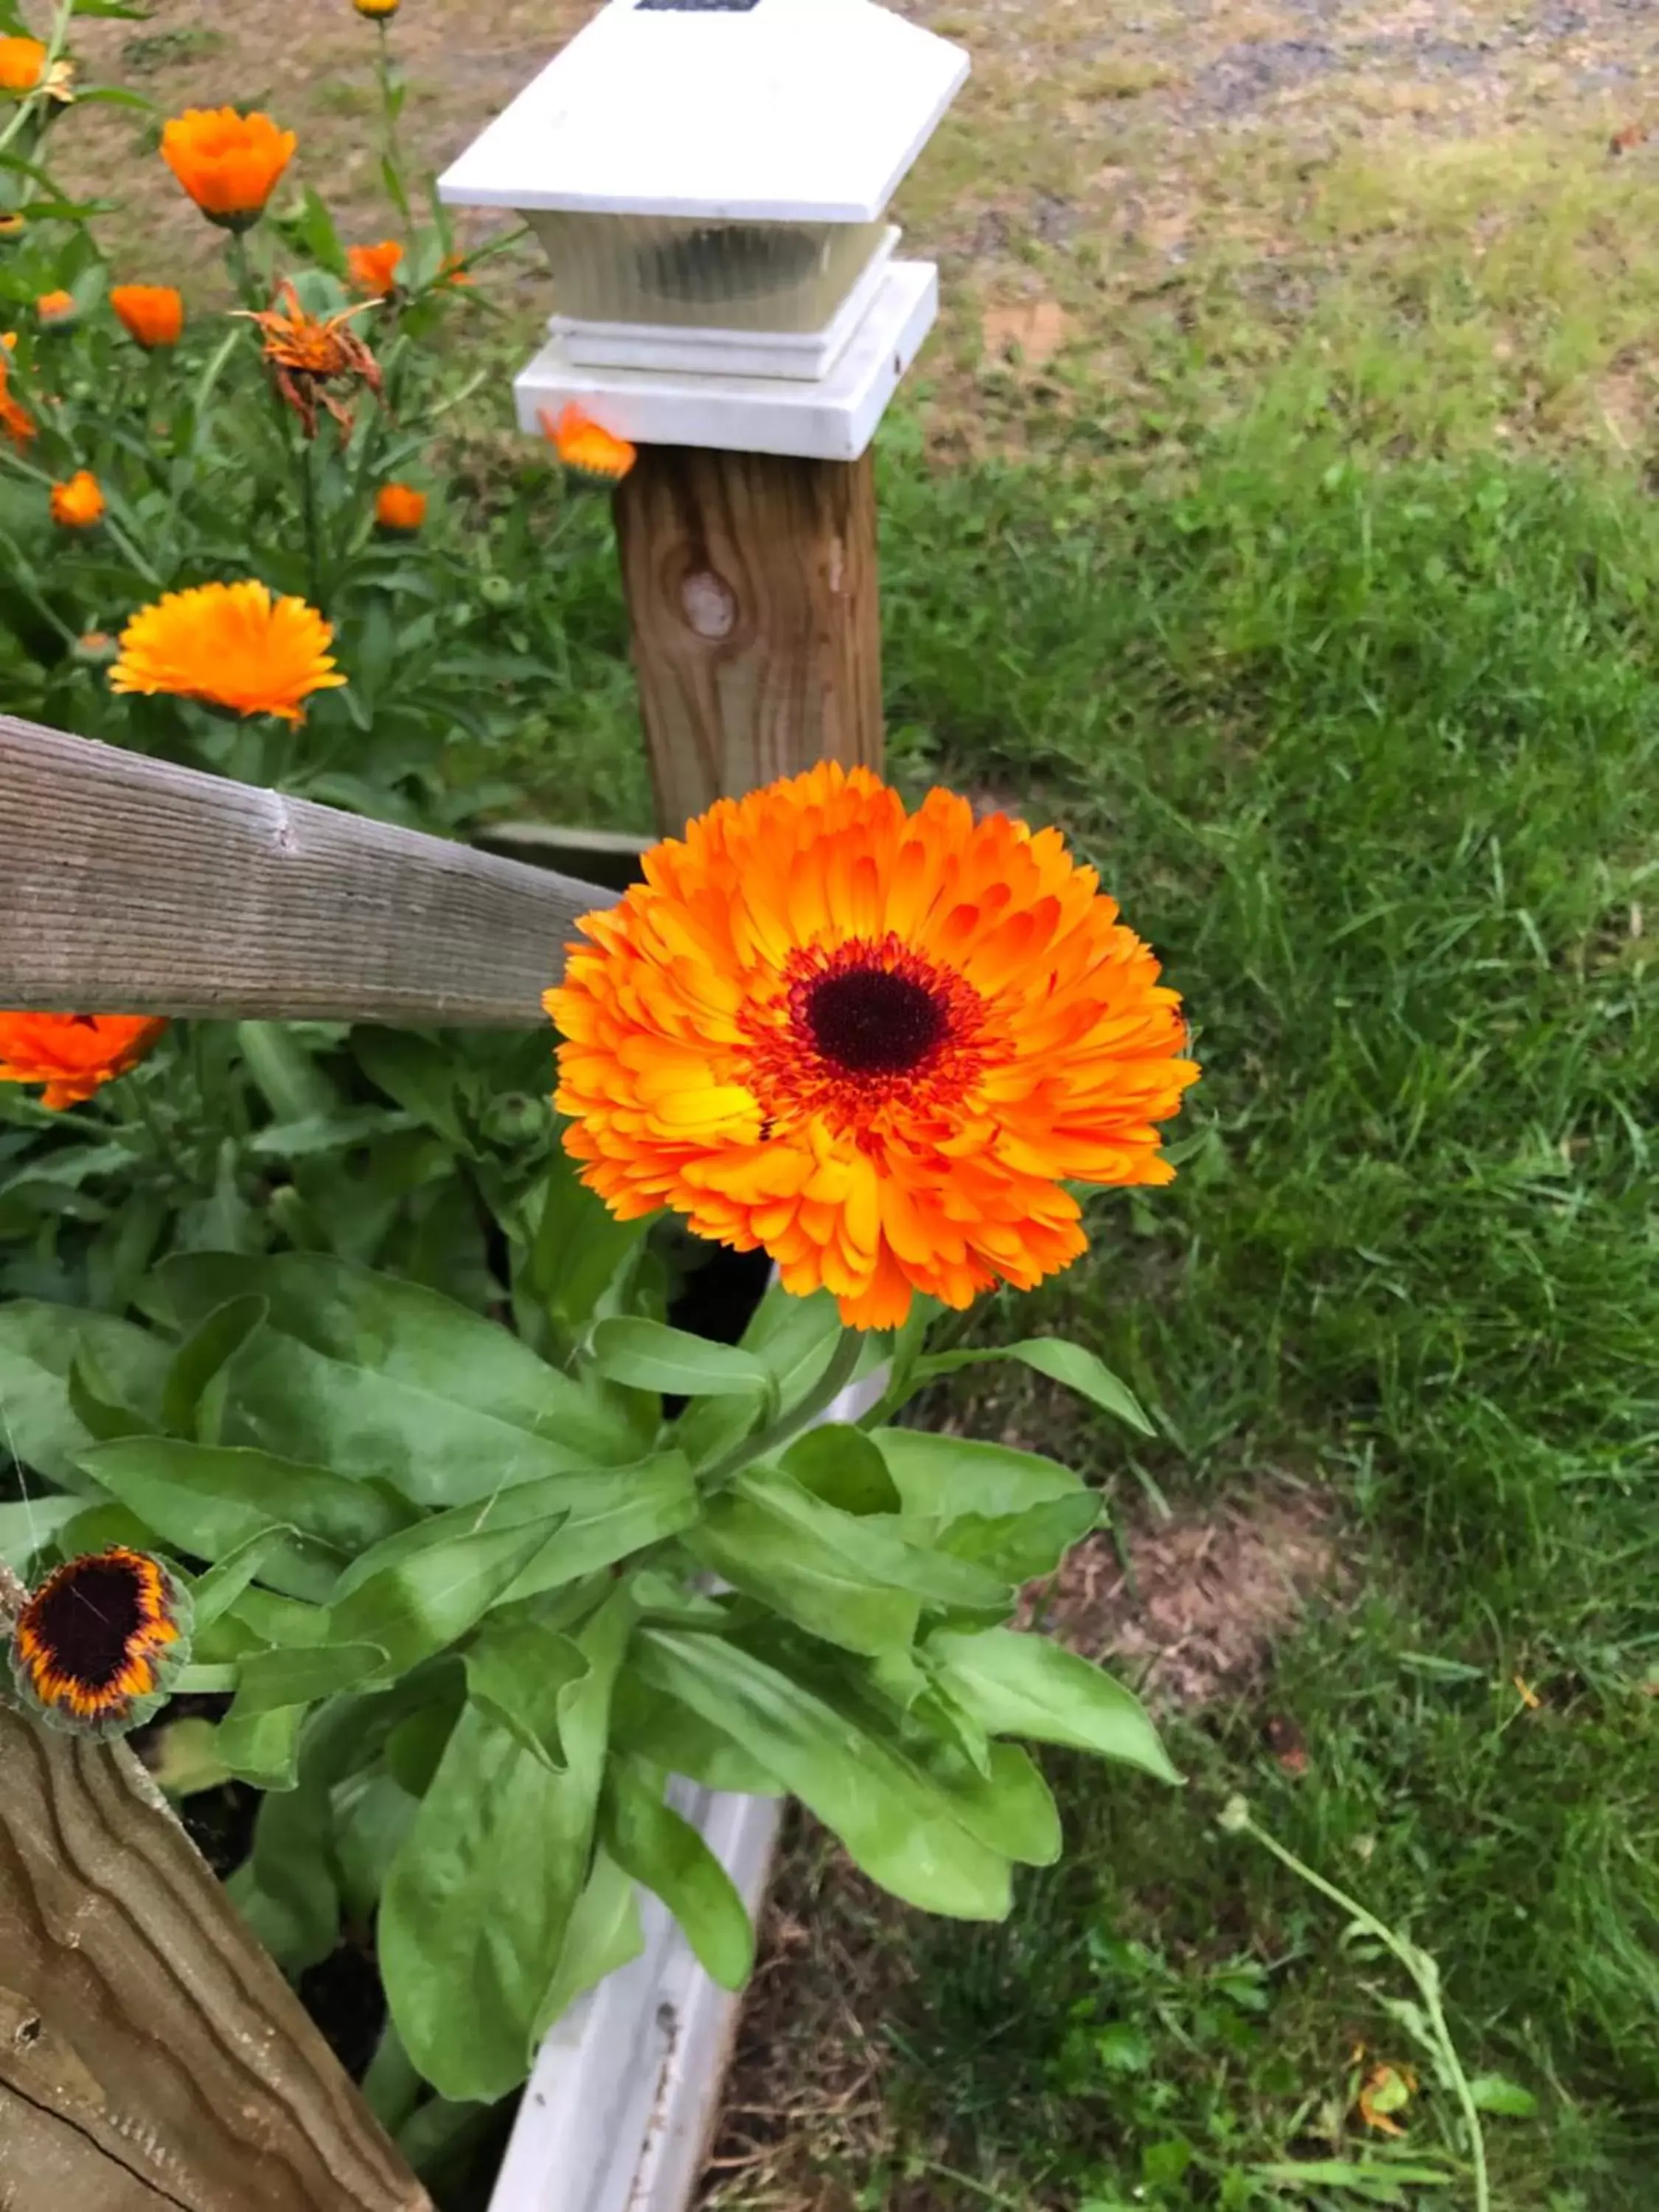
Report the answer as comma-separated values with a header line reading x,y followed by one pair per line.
x,y
1190,1608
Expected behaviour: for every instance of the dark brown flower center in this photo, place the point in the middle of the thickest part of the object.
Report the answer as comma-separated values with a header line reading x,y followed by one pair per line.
x,y
85,1620
869,1021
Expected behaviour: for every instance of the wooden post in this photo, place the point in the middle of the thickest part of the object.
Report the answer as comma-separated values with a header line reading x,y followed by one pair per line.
x,y
152,2057
751,591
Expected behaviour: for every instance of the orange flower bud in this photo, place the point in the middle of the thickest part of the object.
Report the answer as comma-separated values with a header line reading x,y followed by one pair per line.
x,y
374,268
78,504
22,63
399,508
55,310
228,162
154,314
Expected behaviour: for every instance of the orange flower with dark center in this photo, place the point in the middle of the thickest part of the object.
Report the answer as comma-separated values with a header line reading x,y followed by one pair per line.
x,y
22,63
230,645
96,1646
374,268
399,508
308,354
875,1044
78,504
154,314
583,446
55,309
73,1054
229,163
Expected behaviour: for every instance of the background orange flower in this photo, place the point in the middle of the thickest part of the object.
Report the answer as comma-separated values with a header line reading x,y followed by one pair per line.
x,y
399,507
73,1054
55,308
79,503
581,445
878,1045
228,162
229,645
374,268
154,314
22,62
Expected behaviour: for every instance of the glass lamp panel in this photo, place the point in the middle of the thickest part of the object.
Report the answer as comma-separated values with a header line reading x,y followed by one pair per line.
x,y
690,273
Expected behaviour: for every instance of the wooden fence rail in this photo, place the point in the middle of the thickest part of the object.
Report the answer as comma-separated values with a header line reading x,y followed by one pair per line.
x,y
131,886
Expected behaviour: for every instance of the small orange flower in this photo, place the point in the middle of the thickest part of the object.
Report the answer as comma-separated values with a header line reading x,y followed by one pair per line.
x,y
154,314
97,1646
376,10
455,270
12,225
399,508
229,163
581,445
308,355
22,63
374,268
55,309
231,645
72,1054
78,504
876,1045
19,425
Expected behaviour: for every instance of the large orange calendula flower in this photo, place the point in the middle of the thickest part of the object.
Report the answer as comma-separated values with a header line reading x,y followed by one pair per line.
x,y
96,1647
308,355
584,447
399,508
229,645
374,268
73,1054
78,504
876,1045
229,163
154,314
22,62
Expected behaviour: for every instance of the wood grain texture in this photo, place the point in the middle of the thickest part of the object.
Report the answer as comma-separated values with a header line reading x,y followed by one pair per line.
x,y
752,598
151,2055
131,886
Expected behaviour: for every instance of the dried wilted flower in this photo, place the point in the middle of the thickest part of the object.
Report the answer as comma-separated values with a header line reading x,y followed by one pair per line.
x,y
308,353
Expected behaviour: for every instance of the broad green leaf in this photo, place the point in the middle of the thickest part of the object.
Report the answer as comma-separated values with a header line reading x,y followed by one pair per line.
x,y
422,1601
578,1246
650,1841
208,1498
901,1831
374,1377
335,1131
1022,1685
373,1815
478,1906
293,1084
94,1405
852,1579
795,1337
945,1477
516,1675
270,1680
38,1347
1493,2092
215,1592
29,1525
648,1355
840,1464
1020,1546
603,1933
262,1749
665,1732
420,1075
1060,1362
200,1358
184,1758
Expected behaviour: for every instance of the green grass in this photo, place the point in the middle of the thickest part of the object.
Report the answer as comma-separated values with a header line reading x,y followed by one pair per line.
x,y
1368,752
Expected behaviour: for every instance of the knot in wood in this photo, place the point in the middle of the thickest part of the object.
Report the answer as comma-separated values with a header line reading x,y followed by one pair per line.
x,y
709,603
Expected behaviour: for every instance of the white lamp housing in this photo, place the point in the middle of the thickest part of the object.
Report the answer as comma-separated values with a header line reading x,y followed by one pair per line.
x,y
710,179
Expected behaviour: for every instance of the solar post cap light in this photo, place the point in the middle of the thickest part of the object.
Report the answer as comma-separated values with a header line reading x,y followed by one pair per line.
x,y
710,180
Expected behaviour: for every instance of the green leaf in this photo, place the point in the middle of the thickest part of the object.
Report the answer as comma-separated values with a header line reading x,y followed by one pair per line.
x,y
946,1476
648,1355
1060,1362
202,1357
208,1498
420,1076
840,1464
666,1732
579,1247
795,1337
1021,1546
291,1083
93,1407
516,1675
337,1131
478,1906
215,1592
262,1749
267,1681
374,1376
29,1526
604,1933
1493,2092
1021,1685
899,1830
650,1841
422,1601
39,1345
372,1816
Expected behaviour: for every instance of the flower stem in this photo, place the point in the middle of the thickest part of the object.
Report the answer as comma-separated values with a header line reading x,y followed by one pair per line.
x,y
824,1392
391,163
1237,1820
308,510
241,269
